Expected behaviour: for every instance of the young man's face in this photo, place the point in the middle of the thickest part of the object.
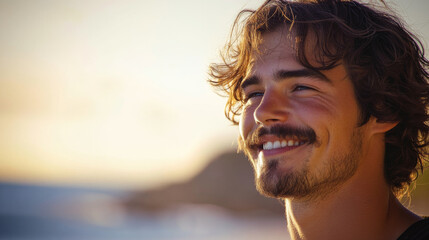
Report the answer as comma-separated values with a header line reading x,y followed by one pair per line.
x,y
299,129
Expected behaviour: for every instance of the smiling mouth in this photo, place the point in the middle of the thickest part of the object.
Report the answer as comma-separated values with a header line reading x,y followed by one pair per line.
x,y
278,144
279,138
281,144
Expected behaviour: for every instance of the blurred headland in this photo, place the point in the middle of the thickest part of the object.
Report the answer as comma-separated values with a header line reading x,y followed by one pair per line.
x,y
227,182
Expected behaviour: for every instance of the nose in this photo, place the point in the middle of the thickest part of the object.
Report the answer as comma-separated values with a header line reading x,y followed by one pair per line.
x,y
273,108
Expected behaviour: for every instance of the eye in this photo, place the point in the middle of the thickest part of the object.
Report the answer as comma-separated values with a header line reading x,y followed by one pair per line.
x,y
301,88
253,95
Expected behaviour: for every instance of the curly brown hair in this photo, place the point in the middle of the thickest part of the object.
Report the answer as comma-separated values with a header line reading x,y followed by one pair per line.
x,y
383,59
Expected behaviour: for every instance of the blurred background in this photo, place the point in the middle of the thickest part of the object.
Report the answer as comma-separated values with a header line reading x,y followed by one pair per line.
x,y
110,130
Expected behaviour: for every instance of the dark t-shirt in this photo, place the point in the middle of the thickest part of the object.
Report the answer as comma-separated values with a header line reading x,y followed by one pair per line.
x,y
417,231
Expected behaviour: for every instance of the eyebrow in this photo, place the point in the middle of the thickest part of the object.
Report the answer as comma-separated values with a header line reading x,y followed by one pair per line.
x,y
285,74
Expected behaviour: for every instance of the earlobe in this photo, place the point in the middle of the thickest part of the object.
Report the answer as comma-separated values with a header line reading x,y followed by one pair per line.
x,y
381,127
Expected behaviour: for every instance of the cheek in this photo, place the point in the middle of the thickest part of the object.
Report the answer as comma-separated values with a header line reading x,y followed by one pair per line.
x,y
333,120
315,109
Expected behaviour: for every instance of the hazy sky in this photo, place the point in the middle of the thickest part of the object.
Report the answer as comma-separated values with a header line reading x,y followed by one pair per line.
x,y
114,92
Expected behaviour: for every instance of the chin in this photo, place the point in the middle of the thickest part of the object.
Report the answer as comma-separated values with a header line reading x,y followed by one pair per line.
x,y
272,181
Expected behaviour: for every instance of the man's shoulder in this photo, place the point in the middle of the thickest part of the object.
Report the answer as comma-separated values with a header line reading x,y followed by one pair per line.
x,y
418,231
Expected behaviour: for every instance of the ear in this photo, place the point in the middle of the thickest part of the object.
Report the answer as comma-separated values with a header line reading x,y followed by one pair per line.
x,y
380,127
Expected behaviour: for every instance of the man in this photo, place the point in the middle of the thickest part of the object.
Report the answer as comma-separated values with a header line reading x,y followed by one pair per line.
x,y
332,99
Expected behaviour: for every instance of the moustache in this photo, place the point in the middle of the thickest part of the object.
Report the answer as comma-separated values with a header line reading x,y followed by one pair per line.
x,y
281,131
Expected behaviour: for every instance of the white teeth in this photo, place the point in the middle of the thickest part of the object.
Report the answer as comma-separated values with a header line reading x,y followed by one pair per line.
x,y
282,144
268,146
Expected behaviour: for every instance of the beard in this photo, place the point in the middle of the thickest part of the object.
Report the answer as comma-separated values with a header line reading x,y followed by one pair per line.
x,y
302,183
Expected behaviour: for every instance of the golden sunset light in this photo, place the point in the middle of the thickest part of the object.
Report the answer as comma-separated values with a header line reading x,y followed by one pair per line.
x,y
115,92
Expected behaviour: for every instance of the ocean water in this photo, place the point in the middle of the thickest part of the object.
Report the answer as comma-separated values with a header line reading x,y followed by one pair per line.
x,y
67,213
